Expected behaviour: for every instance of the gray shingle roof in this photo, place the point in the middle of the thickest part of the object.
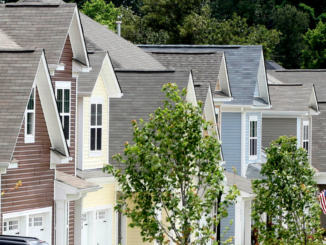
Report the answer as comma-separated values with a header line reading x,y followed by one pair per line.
x,y
317,77
242,64
87,80
92,174
290,97
141,96
123,52
75,182
242,183
6,42
38,26
17,74
272,65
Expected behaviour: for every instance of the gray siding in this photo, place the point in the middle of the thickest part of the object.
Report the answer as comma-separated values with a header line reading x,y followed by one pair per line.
x,y
231,140
273,128
225,222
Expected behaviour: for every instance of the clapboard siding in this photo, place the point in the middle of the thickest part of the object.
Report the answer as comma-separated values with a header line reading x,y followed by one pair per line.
x,y
63,76
231,140
33,170
273,128
225,223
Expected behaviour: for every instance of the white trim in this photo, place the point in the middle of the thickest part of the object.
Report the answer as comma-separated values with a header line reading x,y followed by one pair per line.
x,y
298,132
96,100
243,143
305,123
63,85
26,212
30,138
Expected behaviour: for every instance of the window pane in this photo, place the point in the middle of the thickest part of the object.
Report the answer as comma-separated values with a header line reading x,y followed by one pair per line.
x,y
59,99
66,126
31,101
251,129
253,147
67,100
93,139
255,128
38,221
93,114
99,114
30,123
99,139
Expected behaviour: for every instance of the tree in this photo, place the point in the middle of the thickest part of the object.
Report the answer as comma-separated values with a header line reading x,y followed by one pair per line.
x,y
314,56
287,194
100,11
292,24
173,170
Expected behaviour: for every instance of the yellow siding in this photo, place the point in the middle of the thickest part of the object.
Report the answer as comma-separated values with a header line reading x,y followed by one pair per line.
x,y
98,161
133,234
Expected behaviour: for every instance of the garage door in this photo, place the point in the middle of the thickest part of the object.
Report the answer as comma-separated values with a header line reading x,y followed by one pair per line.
x,y
102,232
36,226
85,229
11,227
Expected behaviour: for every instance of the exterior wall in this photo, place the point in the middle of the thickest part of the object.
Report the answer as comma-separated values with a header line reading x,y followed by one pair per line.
x,y
63,76
259,128
225,222
91,162
33,170
273,128
231,140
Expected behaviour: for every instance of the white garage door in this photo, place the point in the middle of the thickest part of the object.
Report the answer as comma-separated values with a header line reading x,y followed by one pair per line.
x,y
11,227
85,229
36,226
102,232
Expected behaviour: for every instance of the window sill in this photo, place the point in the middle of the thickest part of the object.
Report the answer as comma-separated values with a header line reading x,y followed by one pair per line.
x,y
29,139
252,158
95,153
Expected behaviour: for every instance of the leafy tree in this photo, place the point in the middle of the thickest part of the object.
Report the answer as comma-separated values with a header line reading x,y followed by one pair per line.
x,y
287,194
292,24
314,56
173,168
99,10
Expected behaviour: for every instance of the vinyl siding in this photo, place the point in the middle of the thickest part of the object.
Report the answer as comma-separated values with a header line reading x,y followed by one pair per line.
x,y
273,128
103,197
259,122
225,222
231,140
90,162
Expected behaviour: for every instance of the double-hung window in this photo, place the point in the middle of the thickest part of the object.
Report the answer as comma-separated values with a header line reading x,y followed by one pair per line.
x,y
96,125
305,138
253,137
30,119
63,93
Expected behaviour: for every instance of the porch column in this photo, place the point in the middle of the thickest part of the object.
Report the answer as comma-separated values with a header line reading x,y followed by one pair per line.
x,y
247,223
61,223
78,221
238,223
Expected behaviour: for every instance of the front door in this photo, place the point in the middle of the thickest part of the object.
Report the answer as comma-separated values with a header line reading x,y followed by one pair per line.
x,y
36,226
11,227
101,220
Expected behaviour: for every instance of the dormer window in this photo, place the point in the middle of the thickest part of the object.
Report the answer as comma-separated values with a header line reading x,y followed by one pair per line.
x,y
96,126
30,119
253,138
305,138
63,93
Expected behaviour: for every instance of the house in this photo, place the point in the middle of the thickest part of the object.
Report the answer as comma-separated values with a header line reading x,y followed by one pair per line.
x,y
49,205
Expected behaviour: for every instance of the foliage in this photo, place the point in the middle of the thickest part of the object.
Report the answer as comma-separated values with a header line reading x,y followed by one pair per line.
x,y
99,10
174,169
314,56
18,184
287,194
293,24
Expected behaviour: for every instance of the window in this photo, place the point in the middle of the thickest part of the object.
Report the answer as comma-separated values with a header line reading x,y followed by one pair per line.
x,y
63,102
100,215
305,138
96,124
217,112
253,138
30,119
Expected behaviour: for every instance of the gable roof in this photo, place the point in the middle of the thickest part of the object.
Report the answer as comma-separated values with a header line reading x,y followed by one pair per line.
x,y
317,77
43,25
292,97
141,96
124,54
272,65
242,183
243,63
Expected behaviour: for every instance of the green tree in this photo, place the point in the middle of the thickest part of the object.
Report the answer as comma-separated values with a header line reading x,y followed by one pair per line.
x,y
287,194
292,24
100,11
173,168
314,56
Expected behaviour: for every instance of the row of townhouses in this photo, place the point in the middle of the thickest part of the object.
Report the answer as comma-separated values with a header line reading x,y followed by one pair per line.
x,y
69,89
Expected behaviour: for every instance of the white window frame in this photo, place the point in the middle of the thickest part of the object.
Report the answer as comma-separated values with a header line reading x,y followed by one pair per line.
x,y
253,119
96,101
64,85
305,124
30,138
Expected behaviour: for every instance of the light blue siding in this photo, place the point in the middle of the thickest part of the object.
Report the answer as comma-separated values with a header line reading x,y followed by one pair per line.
x,y
231,140
225,222
259,127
